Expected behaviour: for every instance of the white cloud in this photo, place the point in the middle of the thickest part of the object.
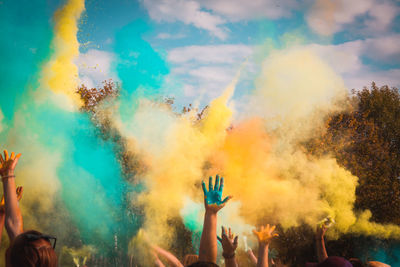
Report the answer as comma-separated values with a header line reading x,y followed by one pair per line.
x,y
346,57
343,58
211,15
210,54
188,12
384,49
346,60
95,67
327,17
236,10
207,70
365,76
165,35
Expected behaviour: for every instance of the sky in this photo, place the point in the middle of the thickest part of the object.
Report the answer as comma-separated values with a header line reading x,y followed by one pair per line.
x,y
204,42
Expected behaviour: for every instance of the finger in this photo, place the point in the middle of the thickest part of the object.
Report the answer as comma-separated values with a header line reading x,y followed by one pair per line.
x,y
5,155
273,228
262,228
226,199
255,232
20,191
15,161
223,231
12,156
216,185
221,187
210,187
1,159
235,241
219,239
203,185
229,232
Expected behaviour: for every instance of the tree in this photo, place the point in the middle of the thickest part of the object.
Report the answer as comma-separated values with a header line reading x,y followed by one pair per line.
x,y
366,141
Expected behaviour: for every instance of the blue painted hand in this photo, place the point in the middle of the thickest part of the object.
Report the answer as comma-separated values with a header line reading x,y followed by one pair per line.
x,y
213,197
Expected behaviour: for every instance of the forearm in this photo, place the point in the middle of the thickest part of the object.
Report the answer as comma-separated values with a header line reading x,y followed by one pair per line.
x,y
168,256
208,241
321,251
13,217
262,260
231,262
159,263
252,257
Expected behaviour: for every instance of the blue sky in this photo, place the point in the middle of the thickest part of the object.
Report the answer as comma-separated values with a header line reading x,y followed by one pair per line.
x,y
204,42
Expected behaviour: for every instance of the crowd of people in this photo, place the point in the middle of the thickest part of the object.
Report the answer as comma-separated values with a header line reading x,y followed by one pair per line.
x,y
32,248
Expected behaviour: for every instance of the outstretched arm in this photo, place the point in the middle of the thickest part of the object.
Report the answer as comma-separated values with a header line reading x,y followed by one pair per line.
x,y
3,210
168,255
229,244
249,252
251,256
157,261
13,218
213,203
321,250
264,237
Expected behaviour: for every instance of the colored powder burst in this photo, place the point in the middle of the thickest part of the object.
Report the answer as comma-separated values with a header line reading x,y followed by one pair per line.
x,y
72,177
266,168
67,194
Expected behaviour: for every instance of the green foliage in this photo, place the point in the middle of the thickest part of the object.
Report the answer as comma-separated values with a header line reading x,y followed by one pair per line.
x,y
366,141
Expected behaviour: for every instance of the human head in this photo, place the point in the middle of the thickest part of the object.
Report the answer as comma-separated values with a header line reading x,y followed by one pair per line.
x,y
29,249
190,259
332,261
356,262
203,264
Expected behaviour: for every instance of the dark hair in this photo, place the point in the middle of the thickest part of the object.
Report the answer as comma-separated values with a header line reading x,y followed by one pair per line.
x,y
26,251
190,259
203,264
356,262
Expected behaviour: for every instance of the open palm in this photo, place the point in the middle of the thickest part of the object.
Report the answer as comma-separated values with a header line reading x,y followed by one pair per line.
x,y
8,163
213,197
265,234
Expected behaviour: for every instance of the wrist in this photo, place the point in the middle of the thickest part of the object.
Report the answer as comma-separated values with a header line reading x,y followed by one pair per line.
x,y
6,177
228,255
7,173
263,246
210,212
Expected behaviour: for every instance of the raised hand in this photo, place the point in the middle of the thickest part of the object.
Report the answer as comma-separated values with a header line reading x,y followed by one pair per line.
x,y
7,164
265,234
19,192
213,197
229,243
321,230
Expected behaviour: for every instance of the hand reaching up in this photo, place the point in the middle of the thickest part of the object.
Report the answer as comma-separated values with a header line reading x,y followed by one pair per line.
x,y
7,164
321,230
213,197
229,243
265,234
